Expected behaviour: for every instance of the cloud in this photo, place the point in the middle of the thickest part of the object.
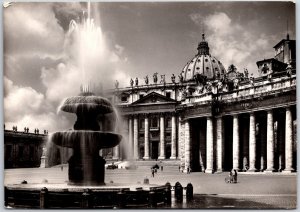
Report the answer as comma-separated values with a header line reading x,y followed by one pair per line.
x,y
32,29
232,42
26,107
49,62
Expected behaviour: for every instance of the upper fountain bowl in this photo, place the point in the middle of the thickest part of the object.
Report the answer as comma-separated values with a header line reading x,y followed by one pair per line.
x,y
87,103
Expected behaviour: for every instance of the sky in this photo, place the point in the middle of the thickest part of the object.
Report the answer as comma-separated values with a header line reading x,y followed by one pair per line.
x,y
43,60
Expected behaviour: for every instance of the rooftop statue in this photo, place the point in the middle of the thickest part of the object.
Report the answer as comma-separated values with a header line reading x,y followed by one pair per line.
x,y
131,82
146,80
162,79
155,77
117,84
136,81
246,73
173,78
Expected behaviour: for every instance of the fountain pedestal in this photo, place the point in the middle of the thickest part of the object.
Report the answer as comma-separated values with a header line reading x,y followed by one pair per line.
x,y
88,170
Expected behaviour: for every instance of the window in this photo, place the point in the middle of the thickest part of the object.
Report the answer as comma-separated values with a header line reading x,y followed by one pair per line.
x,y
142,135
168,94
141,96
154,122
124,99
142,123
168,123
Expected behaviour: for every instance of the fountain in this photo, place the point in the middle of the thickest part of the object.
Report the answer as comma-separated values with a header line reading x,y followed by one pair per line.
x,y
86,167
92,131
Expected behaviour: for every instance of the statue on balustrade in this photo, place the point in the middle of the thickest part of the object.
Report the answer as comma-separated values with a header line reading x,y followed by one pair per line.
x,y
155,77
117,84
246,73
270,73
236,83
131,82
162,79
136,81
146,80
173,78
200,79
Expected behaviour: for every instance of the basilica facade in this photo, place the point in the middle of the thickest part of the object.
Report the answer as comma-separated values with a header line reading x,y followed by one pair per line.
x,y
212,119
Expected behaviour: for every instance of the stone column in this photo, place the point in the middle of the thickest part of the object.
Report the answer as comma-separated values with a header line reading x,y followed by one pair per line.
x,y
187,145
135,138
209,146
236,143
220,146
173,138
288,141
252,143
116,152
270,141
130,138
146,144
162,138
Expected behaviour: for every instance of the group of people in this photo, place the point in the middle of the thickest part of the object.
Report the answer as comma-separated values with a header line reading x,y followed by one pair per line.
x,y
188,169
26,130
155,168
233,176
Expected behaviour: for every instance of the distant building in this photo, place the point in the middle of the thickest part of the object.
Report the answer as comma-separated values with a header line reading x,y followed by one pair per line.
x,y
23,150
212,119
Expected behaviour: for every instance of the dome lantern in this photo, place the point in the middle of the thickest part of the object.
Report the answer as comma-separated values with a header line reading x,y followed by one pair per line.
x,y
203,48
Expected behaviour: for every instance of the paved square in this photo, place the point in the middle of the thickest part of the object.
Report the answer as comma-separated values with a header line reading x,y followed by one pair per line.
x,y
257,190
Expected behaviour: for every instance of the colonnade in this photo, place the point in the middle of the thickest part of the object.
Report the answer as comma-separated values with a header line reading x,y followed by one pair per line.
x,y
133,135
215,143
182,141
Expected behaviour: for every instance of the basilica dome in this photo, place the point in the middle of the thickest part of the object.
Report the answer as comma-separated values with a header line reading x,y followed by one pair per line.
x,y
203,63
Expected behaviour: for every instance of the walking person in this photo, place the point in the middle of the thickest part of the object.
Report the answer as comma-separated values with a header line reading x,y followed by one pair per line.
x,y
235,176
152,172
161,168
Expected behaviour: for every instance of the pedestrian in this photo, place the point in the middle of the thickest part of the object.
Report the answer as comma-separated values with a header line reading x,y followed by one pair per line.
x,y
61,168
161,168
235,176
179,168
230,177
152,172
155,170
188,170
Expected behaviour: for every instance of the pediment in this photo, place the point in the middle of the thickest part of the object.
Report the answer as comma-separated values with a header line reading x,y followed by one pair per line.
x,y
154,98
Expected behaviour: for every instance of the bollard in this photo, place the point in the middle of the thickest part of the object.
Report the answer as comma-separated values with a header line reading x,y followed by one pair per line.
x,y
86,201
146,180
121,195
44,198
152,199
168,194
189,192
178,192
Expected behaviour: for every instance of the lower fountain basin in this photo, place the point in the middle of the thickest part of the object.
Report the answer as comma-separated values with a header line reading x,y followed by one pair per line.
x,y
63,196
93,139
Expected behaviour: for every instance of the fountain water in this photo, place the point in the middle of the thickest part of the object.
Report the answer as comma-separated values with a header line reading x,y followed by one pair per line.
x,y
92,131
86,167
